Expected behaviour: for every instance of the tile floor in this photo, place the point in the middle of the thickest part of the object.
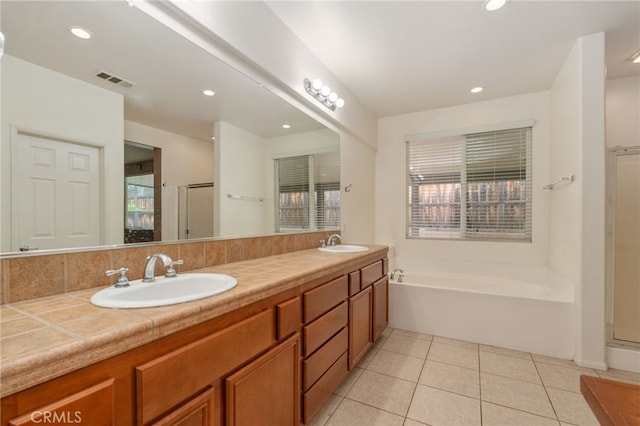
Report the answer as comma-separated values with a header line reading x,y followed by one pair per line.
x,y
414,379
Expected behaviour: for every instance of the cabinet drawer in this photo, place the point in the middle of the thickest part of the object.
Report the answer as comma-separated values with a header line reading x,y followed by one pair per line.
x,y
170,379
319,331
370,274
289,315
319,362
91,406
354,282
323,389
322,298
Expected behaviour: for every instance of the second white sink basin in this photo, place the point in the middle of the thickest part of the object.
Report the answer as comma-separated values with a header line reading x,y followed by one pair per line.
x,y
344,248
164,291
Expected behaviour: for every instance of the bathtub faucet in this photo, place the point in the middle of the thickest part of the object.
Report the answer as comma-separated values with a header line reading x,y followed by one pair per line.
x,y
400,273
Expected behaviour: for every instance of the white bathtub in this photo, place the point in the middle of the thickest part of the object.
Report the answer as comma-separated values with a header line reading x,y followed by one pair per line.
x,y
531,311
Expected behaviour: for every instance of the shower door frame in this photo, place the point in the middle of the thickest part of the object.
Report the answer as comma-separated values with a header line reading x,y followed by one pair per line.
x,y
611,187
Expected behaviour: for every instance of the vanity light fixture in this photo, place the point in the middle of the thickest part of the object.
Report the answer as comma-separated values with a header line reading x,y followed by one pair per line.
x,y
636,57
323,94
80,33
208,92
493,5
477,89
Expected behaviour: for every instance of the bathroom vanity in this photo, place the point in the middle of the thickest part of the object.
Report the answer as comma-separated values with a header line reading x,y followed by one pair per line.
x,y
269,352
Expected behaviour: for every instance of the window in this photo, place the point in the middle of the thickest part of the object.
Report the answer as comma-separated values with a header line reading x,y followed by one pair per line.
x,y
474,186
307,192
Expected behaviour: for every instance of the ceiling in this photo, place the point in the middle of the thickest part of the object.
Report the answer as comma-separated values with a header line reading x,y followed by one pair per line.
x,y
169,73
399,57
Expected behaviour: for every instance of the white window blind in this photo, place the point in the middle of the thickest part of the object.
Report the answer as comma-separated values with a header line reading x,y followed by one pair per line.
x,y
475,186
307,192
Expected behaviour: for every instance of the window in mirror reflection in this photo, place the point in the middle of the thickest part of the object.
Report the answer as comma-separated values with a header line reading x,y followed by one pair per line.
x,y
307,192
140,208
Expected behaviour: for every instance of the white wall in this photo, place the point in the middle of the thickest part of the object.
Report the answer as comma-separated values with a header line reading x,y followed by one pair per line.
x,y
184,161
240,170
623,111
390,177
577,211
47,103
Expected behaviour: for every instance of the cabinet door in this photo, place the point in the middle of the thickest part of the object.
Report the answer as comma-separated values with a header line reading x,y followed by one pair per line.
x,y
267,391
200,411
92,406
380,306
359,326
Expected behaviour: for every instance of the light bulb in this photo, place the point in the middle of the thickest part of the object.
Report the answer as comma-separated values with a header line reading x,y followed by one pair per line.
x,y
340,102
317,84
80,33
333,96
325,90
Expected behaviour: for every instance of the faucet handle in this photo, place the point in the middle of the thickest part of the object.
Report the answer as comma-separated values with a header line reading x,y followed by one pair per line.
x,y
171,272
122,281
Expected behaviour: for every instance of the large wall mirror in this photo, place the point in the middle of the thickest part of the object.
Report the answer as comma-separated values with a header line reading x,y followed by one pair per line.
x,y
237,162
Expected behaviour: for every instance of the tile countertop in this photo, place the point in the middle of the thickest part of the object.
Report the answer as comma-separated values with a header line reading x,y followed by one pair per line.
x,y
44,338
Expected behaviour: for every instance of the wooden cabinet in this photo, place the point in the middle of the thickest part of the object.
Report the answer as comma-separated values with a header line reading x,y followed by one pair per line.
x,y
273,362
360,325
267,391
380,313
167,381
92,406
202,410
368,308
326,317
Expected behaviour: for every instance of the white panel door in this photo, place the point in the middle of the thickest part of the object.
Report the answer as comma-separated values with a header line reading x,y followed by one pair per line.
x,y
57,195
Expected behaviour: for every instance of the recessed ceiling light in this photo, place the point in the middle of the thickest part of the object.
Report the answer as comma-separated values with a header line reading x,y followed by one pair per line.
x,y
286,126
493,5
80,33
636,57
208,92
477,89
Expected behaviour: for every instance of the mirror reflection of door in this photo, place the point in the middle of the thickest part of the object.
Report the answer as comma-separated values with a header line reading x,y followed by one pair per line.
x,y
195,211
58,201
143,191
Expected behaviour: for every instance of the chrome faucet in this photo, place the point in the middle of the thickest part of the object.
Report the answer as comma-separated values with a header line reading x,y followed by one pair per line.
x,y
330,241
400,273
150,267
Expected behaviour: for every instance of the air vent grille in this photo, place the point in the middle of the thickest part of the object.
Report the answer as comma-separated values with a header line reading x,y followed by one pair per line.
x,y
113,79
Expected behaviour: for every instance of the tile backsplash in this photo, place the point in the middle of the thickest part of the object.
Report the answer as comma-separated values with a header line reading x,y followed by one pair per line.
x,y
32,276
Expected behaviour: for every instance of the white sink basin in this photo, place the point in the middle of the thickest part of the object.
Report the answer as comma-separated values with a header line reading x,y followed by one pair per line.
x,y
164,291
344,248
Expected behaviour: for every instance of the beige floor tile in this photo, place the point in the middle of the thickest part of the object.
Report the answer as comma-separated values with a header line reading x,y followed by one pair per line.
x,y
508,366
572,408
407,333
397,365
366,359
620,375
322,417
409,422
556,361
437,407
516,394
352,413
451,378
497,415
384,392
348,381
505,351
565,378
455,342
456,355
407,345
